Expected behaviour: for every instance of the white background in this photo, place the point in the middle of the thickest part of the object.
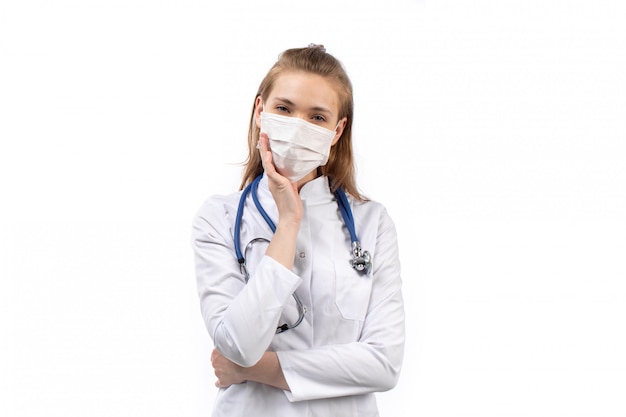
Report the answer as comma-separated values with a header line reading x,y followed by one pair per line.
x,y
493,131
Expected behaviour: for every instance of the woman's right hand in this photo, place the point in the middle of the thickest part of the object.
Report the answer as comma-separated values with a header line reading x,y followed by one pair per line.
x,y
285,192
282,247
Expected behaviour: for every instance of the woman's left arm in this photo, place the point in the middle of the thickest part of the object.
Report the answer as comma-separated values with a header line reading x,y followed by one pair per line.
x,y
373,362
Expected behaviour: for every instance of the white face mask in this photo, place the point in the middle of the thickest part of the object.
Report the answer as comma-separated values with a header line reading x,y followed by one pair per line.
x,y
298,147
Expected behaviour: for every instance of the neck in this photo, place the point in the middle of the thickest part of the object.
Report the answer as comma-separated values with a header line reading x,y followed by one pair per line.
x,y
308,177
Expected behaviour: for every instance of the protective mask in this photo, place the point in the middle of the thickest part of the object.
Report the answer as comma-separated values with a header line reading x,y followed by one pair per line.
x,y
298,147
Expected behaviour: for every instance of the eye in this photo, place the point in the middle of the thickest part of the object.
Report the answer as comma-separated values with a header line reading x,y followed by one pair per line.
x,y
319,118
282,108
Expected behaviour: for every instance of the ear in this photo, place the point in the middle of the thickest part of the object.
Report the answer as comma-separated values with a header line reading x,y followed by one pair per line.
x,y
339,130
258,108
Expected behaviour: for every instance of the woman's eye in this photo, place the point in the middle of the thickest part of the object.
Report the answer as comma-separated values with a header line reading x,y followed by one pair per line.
x,y
319,118
282,109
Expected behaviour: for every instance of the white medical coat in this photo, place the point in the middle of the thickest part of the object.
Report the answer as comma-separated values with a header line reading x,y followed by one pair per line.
x,y
351,341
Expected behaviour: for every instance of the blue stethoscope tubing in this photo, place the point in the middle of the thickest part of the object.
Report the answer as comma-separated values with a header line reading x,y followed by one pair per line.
x,y
254,185
361,260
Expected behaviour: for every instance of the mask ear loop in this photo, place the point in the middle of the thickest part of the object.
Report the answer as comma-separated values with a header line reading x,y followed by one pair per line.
x,y
337,127
362,260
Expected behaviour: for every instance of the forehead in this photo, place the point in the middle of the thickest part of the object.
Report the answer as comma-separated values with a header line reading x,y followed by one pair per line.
x,y
306,90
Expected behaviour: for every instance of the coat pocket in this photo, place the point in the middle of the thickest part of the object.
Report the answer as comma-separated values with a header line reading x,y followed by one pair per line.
x,y
352,291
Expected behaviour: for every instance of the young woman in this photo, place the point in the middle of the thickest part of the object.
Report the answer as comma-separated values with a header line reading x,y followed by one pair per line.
x,y
298,274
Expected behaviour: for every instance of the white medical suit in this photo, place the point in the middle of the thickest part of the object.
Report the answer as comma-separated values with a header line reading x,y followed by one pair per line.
x,y
351,341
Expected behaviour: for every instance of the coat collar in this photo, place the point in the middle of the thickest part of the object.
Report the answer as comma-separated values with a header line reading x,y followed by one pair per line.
x,y
316,191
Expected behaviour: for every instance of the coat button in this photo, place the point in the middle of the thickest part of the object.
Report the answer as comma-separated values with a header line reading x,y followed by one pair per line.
x,y
302,255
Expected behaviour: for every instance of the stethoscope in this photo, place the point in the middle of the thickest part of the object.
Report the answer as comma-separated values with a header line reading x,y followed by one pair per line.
x,y
361,260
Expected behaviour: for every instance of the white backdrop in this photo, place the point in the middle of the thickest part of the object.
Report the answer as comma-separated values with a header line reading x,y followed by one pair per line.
x,y
493,131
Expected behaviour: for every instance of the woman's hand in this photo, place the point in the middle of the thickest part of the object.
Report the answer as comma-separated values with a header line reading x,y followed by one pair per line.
x,y
266,371
226,371
282,248
285,193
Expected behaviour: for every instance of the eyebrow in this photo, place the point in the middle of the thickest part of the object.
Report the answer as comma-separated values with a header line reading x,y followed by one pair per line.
x,y
314,108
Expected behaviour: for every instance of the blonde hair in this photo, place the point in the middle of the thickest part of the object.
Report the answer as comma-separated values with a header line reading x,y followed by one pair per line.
x,y
314,59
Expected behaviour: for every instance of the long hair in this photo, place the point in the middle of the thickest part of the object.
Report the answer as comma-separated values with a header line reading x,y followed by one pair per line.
x,y
314,59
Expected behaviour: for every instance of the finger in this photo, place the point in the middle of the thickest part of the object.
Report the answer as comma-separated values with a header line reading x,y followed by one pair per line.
x,y
263,144
218,384
266,154
268,164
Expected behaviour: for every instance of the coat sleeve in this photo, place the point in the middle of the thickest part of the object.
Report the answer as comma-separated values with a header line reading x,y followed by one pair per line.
x,y
241,318
370,364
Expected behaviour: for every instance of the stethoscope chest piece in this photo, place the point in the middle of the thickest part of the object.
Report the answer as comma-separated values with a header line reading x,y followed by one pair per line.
x,y
362,260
